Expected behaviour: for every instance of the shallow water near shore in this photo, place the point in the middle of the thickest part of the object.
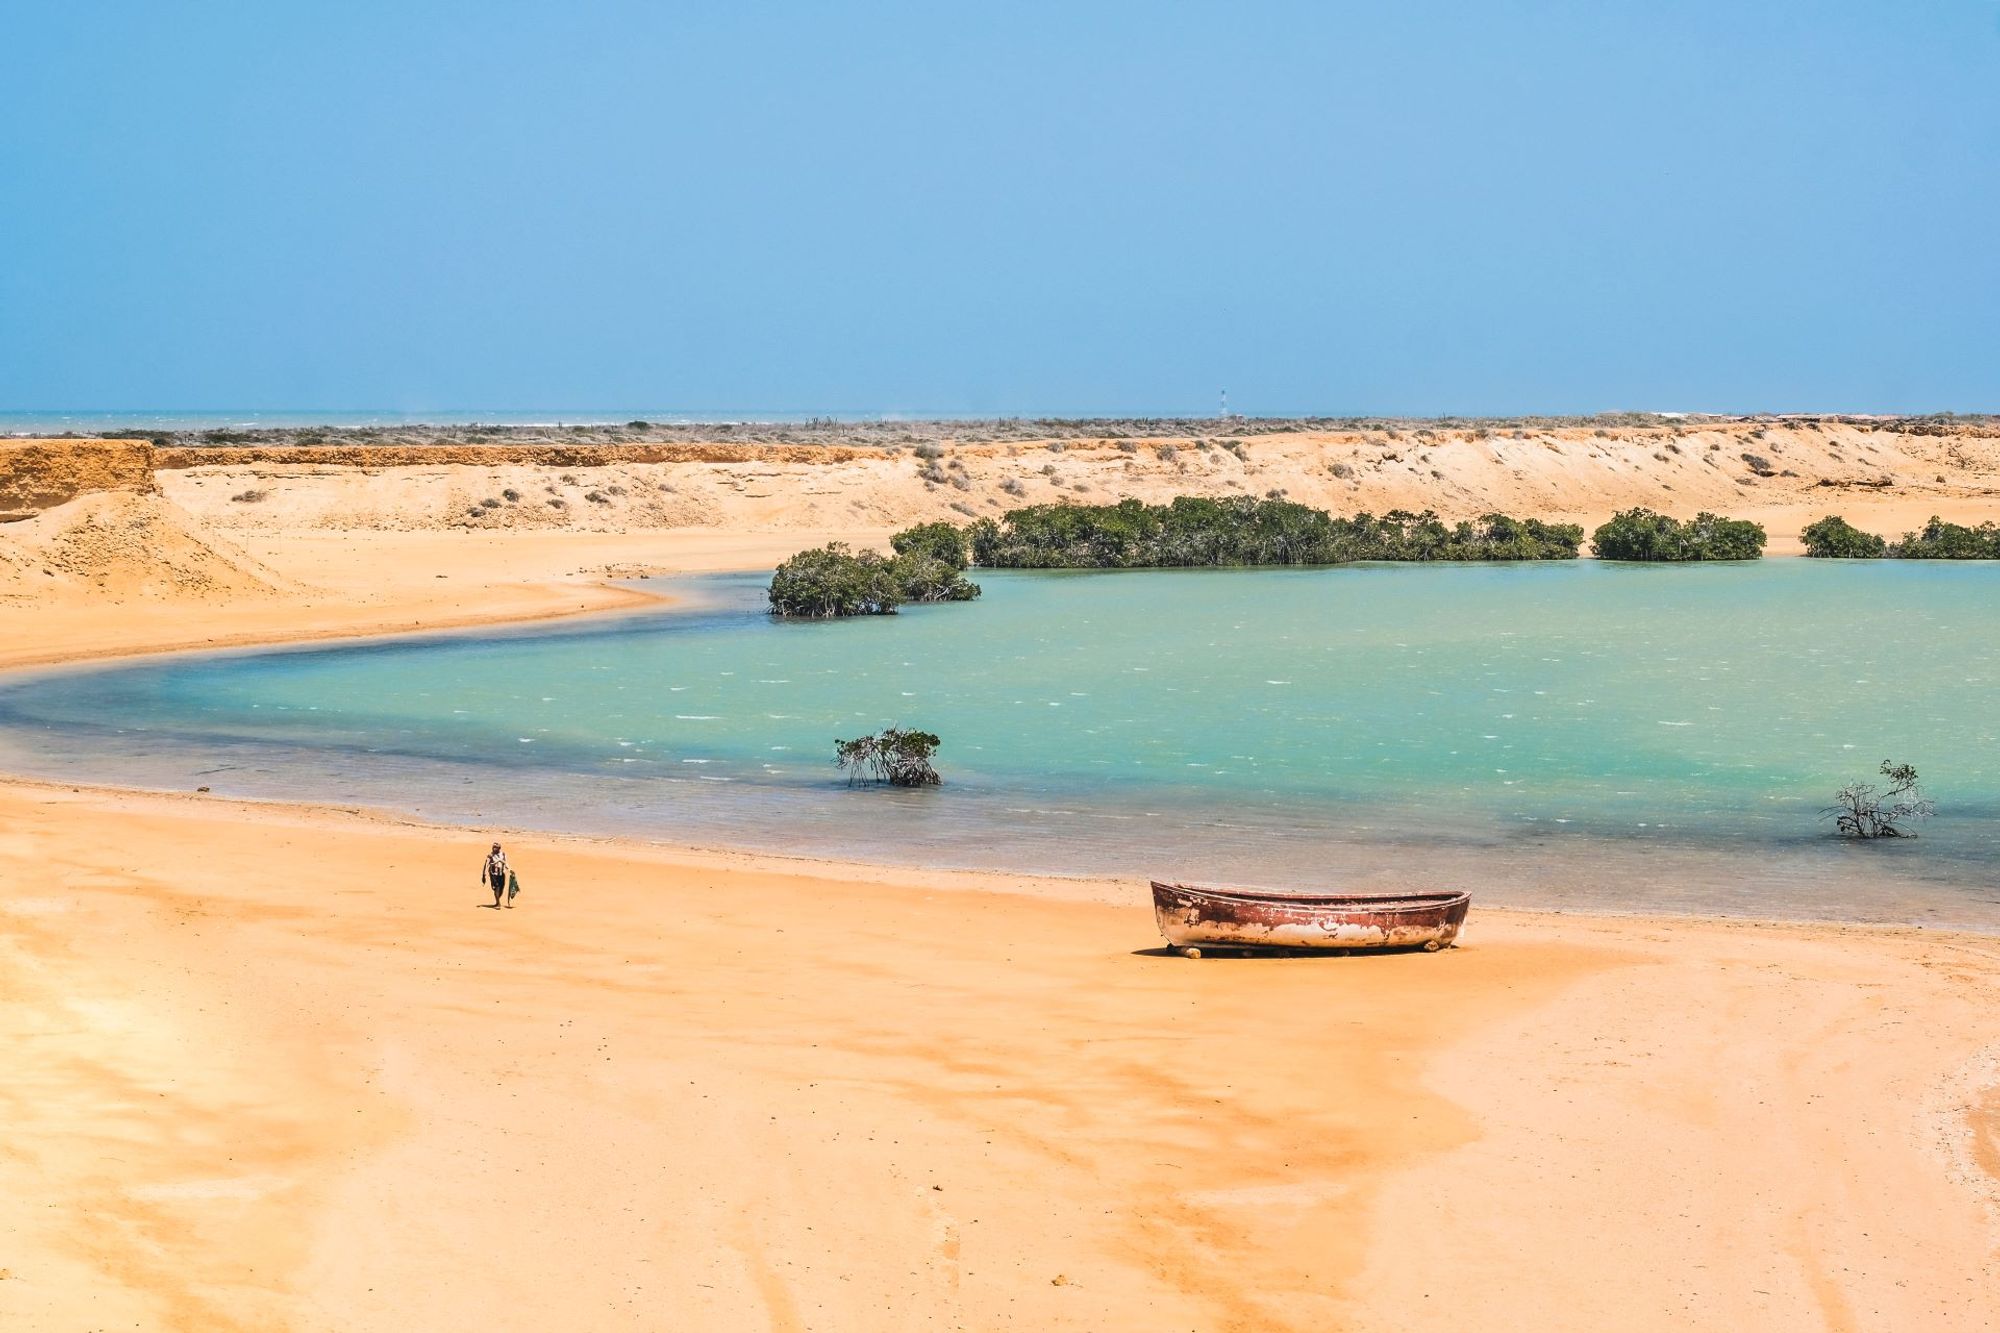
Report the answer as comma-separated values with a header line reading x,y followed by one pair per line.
x,y
1576,734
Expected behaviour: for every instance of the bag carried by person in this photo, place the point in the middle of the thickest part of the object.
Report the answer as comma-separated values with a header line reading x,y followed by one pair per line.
x,y
513,884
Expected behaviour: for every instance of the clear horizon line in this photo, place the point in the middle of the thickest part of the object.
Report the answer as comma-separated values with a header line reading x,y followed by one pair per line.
x,y
453,416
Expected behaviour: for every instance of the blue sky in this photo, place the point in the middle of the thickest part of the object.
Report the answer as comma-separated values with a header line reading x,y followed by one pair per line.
x,y
1429,206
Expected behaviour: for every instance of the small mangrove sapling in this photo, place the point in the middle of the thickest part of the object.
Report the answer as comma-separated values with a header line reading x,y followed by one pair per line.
x,y
1859,811
898,756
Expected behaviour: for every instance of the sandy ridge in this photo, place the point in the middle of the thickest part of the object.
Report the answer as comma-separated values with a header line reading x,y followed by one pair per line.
x,y
1783,476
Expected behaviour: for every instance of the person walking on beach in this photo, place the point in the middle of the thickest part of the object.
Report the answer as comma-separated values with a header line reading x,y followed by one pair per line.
x,y
494,873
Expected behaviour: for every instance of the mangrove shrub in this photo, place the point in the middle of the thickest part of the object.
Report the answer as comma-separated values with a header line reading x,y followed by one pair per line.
x,y
1834,538
1940,540
943,542
1241,530
835,581
1859,811
1641,534
899,756
831,580
922,577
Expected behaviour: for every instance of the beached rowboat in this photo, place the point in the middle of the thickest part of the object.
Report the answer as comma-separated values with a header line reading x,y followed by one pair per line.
x,y
1193,918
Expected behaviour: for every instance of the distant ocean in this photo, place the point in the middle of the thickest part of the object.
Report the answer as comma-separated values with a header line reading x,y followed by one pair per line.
x,y
59,423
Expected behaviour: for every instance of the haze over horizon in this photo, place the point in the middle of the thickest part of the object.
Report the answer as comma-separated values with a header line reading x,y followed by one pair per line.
x,y
438,209
19,423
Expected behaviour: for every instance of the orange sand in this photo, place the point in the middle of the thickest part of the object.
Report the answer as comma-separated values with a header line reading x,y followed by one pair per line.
x,y
280,1068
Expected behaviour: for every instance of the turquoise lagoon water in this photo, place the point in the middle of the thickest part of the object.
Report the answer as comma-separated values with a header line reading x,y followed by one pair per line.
x,y
1579,734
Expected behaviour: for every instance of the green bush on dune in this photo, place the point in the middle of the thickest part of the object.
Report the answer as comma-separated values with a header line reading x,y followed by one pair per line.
x,y
1641,534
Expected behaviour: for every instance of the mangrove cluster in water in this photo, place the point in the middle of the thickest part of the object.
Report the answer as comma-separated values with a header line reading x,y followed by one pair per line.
x,y
1192,532
899,756
1834,538
930,559
832,580
1641,534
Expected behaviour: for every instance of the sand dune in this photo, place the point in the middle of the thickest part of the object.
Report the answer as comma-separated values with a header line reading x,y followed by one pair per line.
x,y
112,574
1785,475
118,546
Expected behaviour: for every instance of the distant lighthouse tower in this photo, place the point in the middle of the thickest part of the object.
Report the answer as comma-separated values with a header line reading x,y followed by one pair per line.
x,y
1224,414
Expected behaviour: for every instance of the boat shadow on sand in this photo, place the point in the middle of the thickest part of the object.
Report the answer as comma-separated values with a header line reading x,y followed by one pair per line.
x,y
1209,951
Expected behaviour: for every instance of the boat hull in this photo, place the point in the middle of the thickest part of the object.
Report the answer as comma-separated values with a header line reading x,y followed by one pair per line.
x,y
1192,917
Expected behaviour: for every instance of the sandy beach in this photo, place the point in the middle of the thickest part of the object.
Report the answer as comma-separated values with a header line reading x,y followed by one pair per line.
x,y
280,1068
275,1067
